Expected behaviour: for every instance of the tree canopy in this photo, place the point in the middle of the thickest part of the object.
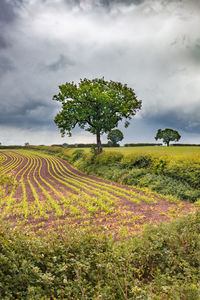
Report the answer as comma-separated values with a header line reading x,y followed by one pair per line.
x,y
95,105
168,135
115,136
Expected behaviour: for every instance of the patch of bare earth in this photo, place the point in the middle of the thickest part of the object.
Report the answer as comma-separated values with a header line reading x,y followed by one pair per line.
x,y
127,216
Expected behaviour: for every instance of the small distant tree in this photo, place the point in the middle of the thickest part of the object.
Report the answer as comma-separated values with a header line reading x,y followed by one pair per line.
x,y
26,144
115,136
168,135
65,145
95,105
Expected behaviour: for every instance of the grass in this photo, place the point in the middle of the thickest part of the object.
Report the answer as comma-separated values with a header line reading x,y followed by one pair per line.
x,y
177,151
161,150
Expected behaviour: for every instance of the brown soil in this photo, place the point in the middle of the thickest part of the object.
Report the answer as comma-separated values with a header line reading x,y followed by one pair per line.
x,y
127,215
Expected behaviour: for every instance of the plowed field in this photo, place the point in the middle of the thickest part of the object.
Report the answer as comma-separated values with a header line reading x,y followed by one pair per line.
x,y
51,194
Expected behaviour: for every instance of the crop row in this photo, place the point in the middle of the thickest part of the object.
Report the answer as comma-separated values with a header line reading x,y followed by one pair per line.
x,y
49,189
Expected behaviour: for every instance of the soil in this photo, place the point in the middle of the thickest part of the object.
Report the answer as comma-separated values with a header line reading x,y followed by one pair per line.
x,y
127,217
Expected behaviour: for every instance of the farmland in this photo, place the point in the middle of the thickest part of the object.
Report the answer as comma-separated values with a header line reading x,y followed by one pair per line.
x,y
176,152
68,235
47,192
171,171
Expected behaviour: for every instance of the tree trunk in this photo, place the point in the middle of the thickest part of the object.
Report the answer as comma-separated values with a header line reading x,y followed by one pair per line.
x,y
99,143
167,144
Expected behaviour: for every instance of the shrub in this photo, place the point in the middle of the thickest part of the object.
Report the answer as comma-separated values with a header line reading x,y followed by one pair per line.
x,y
162,263
187,170
159,164
77,154
108,158
136,160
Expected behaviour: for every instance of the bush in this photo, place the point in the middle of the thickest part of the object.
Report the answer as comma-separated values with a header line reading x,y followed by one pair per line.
x,y
162,263
108,158
138,160
77,154
186,170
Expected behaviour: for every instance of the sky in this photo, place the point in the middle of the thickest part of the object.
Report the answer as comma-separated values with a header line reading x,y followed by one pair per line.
x,y
151,45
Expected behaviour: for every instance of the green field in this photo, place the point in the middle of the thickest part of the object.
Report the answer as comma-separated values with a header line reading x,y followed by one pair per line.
x,y
158,150
66,235
176,152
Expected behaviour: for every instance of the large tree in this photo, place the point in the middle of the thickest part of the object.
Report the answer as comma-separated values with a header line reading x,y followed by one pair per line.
x,y
96,105
168,135
115,136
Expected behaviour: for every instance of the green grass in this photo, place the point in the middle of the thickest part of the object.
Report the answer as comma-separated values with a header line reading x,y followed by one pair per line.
x,y
151,150
158,150
161,150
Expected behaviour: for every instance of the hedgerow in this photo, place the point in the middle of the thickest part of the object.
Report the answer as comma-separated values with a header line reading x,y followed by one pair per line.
x,y
162,263
163,174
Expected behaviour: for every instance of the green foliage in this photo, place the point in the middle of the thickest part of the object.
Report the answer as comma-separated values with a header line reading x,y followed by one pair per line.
x,y
7,183
187,170
115,136
137,160
162,174
159,164
94,150
167,135
96,105
77,154
108,158
162,263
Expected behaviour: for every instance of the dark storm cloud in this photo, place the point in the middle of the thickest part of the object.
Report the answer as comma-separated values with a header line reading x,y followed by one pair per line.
x,y
127,2
152,45
28,115
5,65
8,14
8,10
187,122
103,2
109,3
3,43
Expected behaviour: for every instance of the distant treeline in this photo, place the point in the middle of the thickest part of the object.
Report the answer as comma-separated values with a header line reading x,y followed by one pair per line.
x,y
11,147
81,145
93,145
125,145
142,144
186,145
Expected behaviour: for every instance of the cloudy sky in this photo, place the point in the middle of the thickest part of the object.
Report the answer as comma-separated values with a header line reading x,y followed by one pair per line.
x,y
152,45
